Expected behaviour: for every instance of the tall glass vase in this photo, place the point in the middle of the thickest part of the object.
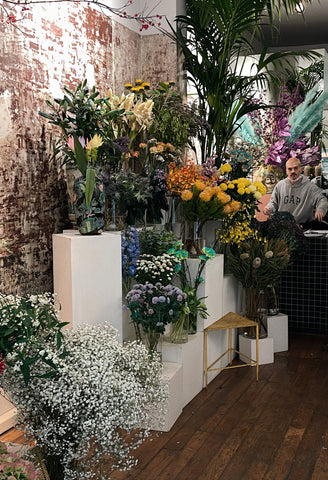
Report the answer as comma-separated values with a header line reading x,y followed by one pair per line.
x,y
256,310
180,329
153,341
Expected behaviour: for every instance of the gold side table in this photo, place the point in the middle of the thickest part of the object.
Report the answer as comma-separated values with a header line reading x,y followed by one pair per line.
x,y
229,322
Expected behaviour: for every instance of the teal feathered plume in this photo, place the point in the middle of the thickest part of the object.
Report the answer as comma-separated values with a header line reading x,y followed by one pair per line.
x,y
247,132
306,115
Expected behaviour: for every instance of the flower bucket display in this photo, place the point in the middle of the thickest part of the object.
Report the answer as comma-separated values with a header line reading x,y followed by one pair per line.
x,y
90,219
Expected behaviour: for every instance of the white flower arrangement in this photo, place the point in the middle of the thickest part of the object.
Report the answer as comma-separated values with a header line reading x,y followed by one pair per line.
x,y
157,268
98,407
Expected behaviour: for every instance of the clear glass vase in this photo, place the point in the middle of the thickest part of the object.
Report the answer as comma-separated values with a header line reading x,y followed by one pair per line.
x,y
180,329
256,309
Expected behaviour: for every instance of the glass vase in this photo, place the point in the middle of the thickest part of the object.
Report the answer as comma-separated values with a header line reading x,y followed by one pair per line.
x,y
256,309
271,294
192,323
153,341
180,329
90,219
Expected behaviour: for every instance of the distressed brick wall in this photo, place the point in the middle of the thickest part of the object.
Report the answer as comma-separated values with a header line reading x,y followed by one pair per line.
x,y
60,45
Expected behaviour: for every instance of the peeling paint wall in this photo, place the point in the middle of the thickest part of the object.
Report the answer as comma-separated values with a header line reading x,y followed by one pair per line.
x,y
61,45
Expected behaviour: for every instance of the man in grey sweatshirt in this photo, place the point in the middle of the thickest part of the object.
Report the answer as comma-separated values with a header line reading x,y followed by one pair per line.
x,y
297,195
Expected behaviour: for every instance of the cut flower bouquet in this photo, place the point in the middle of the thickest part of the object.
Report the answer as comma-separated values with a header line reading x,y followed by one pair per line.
x,y
152,307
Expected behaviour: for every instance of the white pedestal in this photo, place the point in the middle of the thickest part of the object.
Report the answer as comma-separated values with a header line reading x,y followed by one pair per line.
x,y
173,377
87,278
247,346
278,330
190,356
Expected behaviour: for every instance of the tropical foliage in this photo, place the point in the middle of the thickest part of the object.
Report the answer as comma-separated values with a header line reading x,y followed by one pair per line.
x,y
215,42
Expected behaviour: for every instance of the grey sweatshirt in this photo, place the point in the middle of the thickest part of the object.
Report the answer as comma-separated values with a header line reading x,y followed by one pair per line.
x,y
302,199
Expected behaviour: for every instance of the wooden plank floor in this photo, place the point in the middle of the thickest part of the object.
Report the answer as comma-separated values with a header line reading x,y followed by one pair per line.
x,y
240,429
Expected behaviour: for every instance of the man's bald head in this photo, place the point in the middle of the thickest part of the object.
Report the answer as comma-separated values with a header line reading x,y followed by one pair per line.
x,y
293,169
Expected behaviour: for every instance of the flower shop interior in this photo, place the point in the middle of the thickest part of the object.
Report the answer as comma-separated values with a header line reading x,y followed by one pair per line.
x,y
141,143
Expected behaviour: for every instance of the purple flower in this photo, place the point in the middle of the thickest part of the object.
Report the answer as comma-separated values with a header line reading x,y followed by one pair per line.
x,y
150,311
161,299
154,300
171,312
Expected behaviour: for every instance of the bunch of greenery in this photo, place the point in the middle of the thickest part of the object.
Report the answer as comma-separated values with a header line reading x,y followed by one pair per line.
x,y
96,409
131,193
25,324
283,225
258,262
83,113
190,281
153,241
174,121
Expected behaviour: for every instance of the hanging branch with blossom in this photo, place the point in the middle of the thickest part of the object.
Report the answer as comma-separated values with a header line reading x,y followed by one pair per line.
x,y
14,11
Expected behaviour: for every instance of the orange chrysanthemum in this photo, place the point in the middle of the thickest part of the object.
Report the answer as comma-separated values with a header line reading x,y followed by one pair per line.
x,y
186,195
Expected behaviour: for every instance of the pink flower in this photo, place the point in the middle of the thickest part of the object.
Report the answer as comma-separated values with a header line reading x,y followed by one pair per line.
x,y
2,365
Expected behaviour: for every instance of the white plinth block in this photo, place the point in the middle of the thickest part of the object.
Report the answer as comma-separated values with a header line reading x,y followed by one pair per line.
x,y
278,330
173,376
247,346
87,278
190,356
211,288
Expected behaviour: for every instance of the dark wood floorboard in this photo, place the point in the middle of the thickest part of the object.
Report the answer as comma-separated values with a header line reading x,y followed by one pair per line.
x,y
240,429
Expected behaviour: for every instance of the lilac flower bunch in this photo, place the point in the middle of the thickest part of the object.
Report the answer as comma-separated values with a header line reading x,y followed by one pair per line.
x,y
153,306
130,252
209,169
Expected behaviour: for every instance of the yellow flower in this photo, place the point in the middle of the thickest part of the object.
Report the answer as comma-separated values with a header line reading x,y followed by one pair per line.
x,y
260,187
247,190
225,168
231,185
257,195
128,85
223,186
241,191
138,81
95,142
186,195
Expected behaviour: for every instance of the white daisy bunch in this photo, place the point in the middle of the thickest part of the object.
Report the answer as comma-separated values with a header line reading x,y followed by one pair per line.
x,y
24,324
97,408
153,268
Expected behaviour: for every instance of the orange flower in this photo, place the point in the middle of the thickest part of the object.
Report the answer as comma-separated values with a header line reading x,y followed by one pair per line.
x,y
205,195
235,205
182,178
223,197
186,195
227,209
200,185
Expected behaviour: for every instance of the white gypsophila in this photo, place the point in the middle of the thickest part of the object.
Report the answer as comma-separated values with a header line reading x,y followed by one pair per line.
x,y
103,390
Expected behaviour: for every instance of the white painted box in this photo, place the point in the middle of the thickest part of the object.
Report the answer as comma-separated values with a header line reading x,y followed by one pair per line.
x,y
278,330
247,346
